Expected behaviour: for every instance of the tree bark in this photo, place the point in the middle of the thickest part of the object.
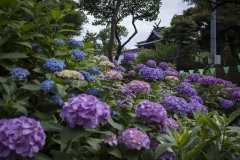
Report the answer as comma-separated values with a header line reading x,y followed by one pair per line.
x,y
113,28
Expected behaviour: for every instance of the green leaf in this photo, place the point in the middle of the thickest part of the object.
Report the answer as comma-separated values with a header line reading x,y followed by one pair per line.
x,y
162,147
55,14
94,143
194,151
211,124
57,155
72,134
148,154
3,80
19,108
7,89
24,44
12,55
31,87
66,30
183,139
115,125
233,116
233,129
3,40
59,89
8,65
51,126
115,152
2,2
40,56
40,156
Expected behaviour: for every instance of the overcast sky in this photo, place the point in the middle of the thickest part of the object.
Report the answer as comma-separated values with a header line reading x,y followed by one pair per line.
x,y
168,9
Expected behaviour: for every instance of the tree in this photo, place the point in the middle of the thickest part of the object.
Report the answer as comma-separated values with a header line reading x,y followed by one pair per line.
x,y
111,13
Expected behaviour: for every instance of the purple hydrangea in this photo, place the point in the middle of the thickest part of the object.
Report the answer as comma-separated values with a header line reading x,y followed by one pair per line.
x,y
23,136
193,77
113,75
152,73
140,66
151,63
238,123
151,112
136,86
226,103
207,80
194,106
57,99
94,71
128,57
135,139
78,54
131,72
111,140
120,69
236,95
172,72
163,65
199,99
177,104
75,43
171,123
224,82
54,65
115,62
20,73
47,85
59,41
85,110
186,90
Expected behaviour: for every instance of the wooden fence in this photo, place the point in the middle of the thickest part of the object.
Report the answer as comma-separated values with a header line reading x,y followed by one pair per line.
x,y
233,75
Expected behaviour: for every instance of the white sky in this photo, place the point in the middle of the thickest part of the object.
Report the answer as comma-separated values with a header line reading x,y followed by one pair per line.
x,y
168,9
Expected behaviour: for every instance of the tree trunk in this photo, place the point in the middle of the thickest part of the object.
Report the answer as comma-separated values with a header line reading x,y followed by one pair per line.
x,y
119,51
113,28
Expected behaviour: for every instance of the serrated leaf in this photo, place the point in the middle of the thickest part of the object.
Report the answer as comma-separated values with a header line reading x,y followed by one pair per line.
x,y
12,55
94,143
162,147
59,90
115,125
115,152
40,56
19,108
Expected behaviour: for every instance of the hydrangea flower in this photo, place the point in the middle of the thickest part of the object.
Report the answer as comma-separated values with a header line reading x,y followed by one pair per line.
x,y
136,86
57,99
171,123
35,46
20,73
120,69
86,111
59,41
54,65
140,66
224,82
106,64
103,58
115,62
94,91
75,43
152,73
151,63
23,136
172,72
177,104
226,103
135,139
113,75
94,71
70,74
131,72
194,106
167,155
199,99
78,54
193,77
163,65
186,90
207,80
128,58
87,75
96,58
151,112
111,140
172,79
236,95
47,85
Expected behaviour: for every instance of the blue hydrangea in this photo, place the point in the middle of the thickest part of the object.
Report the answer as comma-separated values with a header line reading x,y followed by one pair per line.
x,y
59,41
94,91
20,73
35,46
87,75
78,54
54,65
114,113
94,71
72,95
47,85
75,43
57,99
152,73
186,90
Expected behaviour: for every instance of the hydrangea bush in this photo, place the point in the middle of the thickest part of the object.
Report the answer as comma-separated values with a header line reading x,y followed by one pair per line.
x,y
59,101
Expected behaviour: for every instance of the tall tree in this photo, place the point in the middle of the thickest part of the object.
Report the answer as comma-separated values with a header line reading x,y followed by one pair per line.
x,y
111,13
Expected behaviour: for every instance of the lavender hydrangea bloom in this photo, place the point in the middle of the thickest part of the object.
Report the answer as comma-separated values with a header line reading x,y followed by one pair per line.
x,y
120,68
136,86
163,65
194,106
140,66
128,57
177,104
151,63
199,99
54,65
207,80
111,140
115,62
47,85
59,41
113,75
236,95
94,71
131,72
171,72
78,54
171,123
226,103
152,73
193,77
135,139
57,99
20,73
24,136
224,82
85,110
186,90
151,112
75,43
